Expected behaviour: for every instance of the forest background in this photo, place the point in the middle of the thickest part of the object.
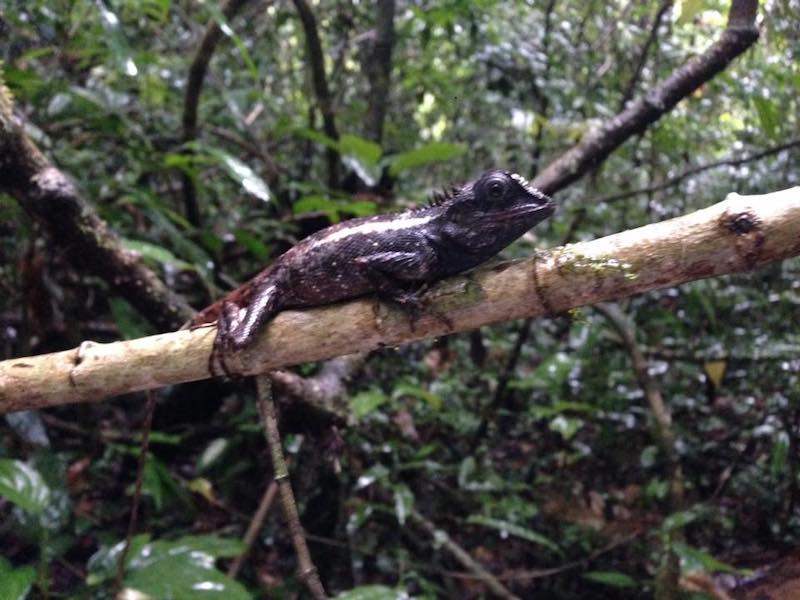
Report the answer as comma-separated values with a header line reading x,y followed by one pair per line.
x,y
647,447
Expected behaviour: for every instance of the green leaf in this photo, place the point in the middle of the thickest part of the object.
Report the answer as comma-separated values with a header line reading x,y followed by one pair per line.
x,y
317,203
130,323
506,528
333,208
550,375
254,245
366,151
415,391
679,520
566,426
216,12
316,136
240,172
780,452
15,583
769,115
694,559
403,502
159,483
612,578
375,473
214,545
366,402
425,155
212,453
372,592
369,175
174,570
24,486
116,41
155,253
648,457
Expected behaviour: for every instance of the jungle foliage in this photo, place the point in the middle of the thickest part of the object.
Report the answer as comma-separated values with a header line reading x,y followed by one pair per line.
x,y
531,446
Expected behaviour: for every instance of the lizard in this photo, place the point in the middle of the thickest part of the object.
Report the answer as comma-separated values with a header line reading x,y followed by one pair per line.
x,y
394,255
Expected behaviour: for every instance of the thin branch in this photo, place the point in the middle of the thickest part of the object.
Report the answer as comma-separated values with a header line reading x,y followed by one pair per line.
x,y
700,356
306,571
595,147
668,574
378,69
673,181
326,391
644,52
194,85
316,63
136,500
256,523
739,234
663,419
440,537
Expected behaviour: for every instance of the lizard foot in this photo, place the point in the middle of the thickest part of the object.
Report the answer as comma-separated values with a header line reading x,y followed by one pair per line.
x,y
217,360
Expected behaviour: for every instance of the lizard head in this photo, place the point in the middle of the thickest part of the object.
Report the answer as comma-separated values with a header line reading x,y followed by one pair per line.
x,y
496,209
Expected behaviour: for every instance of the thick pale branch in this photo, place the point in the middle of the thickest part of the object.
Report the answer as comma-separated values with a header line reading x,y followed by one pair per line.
x,y
736,235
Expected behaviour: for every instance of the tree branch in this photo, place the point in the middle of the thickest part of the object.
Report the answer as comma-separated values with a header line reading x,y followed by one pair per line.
x,y
736,235
320,82
194,85
306,570
440,537
595,147
378,68
644,52
51,198
673,181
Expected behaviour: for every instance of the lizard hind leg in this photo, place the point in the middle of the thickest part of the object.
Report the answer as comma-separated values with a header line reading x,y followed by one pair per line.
x,y
228,317
238,328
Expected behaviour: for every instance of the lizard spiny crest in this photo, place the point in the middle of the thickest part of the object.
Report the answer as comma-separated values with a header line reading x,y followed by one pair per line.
x,y
440,197
528,187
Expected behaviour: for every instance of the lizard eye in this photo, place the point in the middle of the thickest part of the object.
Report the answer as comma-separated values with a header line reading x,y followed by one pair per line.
x,y
496,190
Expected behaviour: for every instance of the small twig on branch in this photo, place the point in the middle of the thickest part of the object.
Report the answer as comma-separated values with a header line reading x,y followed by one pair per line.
x,y
739,234
644,52
256,523
306,571
440,537
673,181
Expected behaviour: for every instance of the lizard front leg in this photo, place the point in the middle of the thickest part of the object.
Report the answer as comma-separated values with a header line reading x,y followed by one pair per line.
x,y
402,278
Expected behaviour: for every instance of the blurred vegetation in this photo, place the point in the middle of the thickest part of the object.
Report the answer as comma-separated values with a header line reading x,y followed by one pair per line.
x,y
530,445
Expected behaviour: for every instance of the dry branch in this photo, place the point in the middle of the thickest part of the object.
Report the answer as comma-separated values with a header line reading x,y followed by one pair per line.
x,y
736,235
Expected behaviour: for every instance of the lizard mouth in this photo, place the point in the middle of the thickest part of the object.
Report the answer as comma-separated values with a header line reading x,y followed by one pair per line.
x,y
527,210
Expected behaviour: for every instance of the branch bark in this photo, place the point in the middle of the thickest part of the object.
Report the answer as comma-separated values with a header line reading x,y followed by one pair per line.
x,y
194,85
319,80
738,234
52,199
740,34
378,68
